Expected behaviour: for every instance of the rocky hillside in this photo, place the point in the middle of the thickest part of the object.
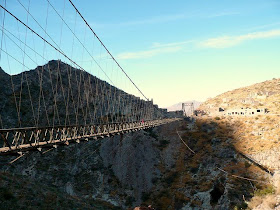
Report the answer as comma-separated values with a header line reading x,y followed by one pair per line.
x,y
261,95
258,137
254,133
152,167
58,94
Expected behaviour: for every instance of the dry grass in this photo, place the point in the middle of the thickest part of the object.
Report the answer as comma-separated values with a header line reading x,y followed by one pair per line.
x,y
266,202
246,138
252,134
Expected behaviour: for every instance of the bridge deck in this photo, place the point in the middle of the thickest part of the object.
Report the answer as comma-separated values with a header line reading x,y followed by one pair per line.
x,y
17,140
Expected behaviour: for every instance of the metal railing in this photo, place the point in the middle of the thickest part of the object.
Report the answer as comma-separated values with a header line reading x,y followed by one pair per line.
x,y
16,140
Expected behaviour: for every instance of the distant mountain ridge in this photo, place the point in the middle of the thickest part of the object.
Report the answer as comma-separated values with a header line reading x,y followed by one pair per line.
x,y
178,106
59,94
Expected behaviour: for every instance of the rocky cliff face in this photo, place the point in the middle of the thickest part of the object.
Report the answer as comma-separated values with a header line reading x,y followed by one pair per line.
x,y
146,167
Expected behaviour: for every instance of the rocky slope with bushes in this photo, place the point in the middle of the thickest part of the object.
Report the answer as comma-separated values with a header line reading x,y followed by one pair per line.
x,y
258,137
261,95
152,167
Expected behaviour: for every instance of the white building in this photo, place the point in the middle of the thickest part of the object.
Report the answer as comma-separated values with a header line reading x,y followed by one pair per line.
x,y
245,112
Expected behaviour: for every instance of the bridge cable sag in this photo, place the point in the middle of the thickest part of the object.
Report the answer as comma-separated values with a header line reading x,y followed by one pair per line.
x,y
56,48
3,25
74,36
115,110
62,53
108,50
27,10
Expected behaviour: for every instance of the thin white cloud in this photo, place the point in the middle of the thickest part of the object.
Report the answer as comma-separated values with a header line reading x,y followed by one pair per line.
x,y
172,44
229,41
156,49
148,53
218,42
262,26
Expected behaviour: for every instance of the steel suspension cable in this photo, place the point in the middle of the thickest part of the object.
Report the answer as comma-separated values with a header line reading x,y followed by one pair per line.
x,y
107,50
3,25
56,48
79,40
46,41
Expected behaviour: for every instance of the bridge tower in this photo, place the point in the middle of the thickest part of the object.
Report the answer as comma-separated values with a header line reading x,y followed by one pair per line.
x,y
190,110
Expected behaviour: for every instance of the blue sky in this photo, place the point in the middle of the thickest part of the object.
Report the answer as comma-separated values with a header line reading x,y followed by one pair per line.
x,y
174,50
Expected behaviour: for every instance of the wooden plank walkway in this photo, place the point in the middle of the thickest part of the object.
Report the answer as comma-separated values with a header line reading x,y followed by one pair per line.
x,y
17,140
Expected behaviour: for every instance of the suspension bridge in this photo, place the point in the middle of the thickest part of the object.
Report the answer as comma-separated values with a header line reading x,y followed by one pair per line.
x,y
59,83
